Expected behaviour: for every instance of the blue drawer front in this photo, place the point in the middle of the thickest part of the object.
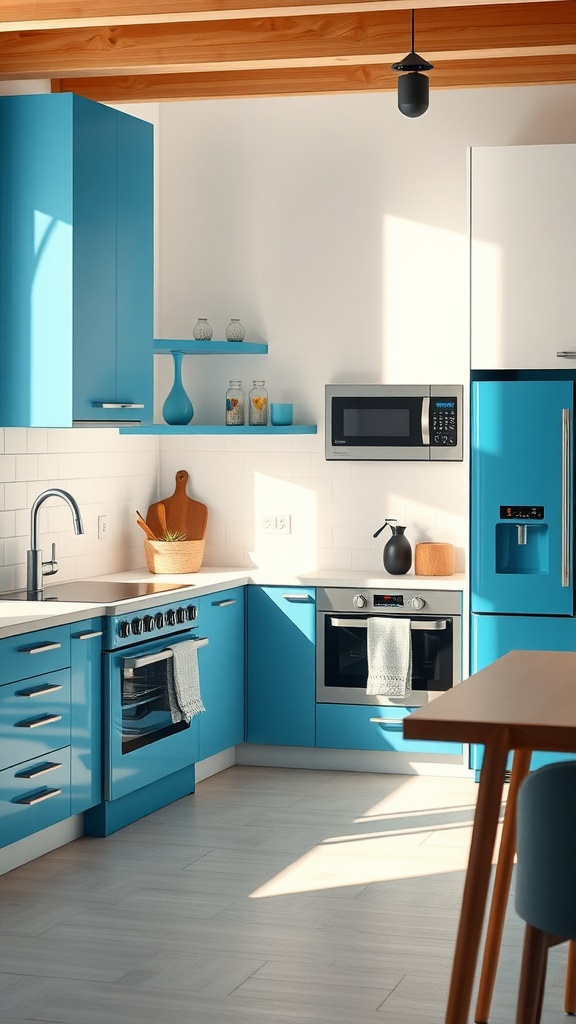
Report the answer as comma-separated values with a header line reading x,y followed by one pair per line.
x,y
34,795
31,654
34,717
349,727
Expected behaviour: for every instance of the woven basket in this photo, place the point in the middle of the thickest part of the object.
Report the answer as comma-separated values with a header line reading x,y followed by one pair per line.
x,y
174,556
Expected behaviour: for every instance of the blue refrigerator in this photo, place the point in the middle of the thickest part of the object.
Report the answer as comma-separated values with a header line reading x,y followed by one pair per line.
x,y
522,520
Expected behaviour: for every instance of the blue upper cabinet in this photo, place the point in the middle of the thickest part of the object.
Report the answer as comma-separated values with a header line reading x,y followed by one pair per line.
x,y
76,247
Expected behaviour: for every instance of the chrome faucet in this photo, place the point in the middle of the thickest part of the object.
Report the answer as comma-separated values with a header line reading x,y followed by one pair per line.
x,y
36,569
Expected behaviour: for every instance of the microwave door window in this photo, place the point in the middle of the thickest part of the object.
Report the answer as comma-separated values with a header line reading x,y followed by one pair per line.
x,y
377,422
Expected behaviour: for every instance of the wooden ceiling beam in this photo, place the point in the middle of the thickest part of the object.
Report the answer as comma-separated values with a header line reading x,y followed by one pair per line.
x,y
484,33
29,15
304,81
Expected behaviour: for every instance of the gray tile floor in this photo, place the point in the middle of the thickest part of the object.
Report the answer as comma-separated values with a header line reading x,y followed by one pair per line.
x,y
270,896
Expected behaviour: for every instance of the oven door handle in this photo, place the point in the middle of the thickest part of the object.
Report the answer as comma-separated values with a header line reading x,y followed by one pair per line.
x,y
414,623
151,659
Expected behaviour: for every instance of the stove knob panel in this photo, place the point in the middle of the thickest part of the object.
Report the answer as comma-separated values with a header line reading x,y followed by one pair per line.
x,y
417,603
136,626
159,620
171,617
359,601
191,612
148,623
180,615
124,629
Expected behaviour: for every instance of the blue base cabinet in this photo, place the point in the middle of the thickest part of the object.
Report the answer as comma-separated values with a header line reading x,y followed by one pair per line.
x,y
495,635
76,248
86,714
358,727
221,669
281,675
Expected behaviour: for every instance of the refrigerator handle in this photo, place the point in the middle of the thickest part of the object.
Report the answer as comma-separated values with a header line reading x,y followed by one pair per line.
x,y
565,497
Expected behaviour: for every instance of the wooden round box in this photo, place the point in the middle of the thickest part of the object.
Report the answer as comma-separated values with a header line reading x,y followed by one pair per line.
x,y
434,560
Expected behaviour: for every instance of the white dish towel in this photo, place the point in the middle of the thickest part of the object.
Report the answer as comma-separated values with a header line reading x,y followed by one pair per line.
x,y
389,657
184,682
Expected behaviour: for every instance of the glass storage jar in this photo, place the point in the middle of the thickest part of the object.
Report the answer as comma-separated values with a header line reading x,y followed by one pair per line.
x,y
235,404
235,331
202,330
258,404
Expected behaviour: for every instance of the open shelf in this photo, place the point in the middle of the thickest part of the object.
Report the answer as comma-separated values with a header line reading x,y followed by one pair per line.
x,y
210,348
220,428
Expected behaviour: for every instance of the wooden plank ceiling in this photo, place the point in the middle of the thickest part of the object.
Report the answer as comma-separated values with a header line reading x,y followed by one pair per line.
x,y
147,50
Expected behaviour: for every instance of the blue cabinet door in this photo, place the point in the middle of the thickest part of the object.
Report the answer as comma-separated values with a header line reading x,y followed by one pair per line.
x,y
76,250
221,669
281,666
495,635
517,460
86,715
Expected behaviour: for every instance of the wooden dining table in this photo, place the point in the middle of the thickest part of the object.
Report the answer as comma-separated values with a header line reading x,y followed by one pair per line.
x,y
523,702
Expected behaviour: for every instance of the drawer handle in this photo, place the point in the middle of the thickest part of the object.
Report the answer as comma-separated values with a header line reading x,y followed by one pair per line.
x,y
296,597
222,604
37,798
41,769
40,692
570,354
33,723
41,649
118,405
387,721
88,636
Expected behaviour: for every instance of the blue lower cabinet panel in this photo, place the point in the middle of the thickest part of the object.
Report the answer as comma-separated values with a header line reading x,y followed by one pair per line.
x,y
34,795
352,727
34,717
110,815
31,654
86,715
492,636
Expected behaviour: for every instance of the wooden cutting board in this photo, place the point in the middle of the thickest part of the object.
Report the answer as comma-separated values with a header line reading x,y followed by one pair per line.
x,y
183,514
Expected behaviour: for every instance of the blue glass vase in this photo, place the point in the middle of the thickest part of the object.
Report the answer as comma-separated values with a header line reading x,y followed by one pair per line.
x,y
177,409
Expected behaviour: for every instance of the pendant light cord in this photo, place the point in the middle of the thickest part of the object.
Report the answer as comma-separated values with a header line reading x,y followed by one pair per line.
x,y
412,30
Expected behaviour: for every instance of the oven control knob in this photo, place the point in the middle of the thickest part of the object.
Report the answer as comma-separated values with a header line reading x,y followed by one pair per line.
x,y
191,612
359,601
136,626
148,623
171,617
180,615
417,603
159,620
124,629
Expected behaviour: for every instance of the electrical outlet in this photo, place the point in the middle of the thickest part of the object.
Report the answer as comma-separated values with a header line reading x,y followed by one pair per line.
x,y
102,527
268,524
283,524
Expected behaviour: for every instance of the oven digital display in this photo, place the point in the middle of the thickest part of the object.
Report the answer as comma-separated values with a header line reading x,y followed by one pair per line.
x,y
388,600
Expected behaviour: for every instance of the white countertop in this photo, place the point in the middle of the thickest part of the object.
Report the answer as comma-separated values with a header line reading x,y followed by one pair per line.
x,y
20,616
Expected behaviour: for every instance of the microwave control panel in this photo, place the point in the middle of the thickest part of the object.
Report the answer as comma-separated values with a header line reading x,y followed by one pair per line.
x,y
443,422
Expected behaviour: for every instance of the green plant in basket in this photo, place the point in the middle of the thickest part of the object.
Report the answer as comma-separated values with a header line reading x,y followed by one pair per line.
x,y
171,536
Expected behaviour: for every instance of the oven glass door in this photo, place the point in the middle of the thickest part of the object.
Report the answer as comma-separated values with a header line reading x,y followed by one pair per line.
x,y
343,674
380,422
142,743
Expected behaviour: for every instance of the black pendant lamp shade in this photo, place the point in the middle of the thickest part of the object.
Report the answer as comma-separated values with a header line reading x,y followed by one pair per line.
x,y
413,87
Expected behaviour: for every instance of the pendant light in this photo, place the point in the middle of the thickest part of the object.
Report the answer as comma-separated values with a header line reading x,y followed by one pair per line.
x,y
413,88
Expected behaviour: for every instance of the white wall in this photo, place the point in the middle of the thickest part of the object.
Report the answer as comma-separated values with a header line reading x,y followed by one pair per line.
x,y
335,228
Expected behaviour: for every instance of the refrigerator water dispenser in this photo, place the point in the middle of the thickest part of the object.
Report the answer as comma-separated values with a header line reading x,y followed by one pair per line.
x,y
522,548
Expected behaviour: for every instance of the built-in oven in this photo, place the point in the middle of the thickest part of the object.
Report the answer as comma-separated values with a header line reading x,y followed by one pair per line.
x,y
142,741
342,643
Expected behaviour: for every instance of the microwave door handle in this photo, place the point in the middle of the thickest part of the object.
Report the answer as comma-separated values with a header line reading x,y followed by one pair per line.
x,y
425,423
363,623
129,664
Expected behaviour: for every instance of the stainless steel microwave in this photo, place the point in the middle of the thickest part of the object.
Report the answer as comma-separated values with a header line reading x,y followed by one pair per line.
x,y
381,422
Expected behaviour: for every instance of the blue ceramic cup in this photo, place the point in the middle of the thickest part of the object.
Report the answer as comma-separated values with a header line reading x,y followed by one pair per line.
x,y
281,414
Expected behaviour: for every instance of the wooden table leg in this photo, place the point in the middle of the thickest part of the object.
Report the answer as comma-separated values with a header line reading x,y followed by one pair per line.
x,y
477,879
501,890
570,984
